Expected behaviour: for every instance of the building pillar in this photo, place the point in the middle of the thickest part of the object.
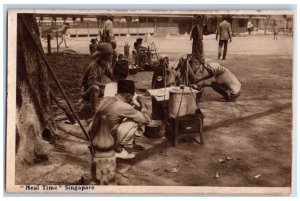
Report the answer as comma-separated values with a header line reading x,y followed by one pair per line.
x,y
88,28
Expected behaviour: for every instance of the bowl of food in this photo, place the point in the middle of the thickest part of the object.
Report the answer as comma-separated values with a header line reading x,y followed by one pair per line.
x,y
133,69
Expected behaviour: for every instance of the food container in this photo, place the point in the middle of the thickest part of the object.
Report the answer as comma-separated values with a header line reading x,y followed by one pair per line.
x,y
133,69
182,101
155,129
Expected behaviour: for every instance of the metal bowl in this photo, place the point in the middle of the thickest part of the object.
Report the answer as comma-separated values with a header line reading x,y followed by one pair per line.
x,y
155,129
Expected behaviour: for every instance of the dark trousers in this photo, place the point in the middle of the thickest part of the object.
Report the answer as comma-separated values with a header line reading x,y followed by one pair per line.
x,y
221,43
224,91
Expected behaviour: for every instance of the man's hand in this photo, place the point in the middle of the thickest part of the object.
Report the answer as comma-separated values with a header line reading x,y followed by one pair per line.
x,y
99,84
141,100
135,102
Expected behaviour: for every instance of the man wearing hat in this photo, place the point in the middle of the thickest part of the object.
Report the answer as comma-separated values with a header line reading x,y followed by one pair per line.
x,y
225,82
224,34
197,36
138,44
138,53
97,74
122,118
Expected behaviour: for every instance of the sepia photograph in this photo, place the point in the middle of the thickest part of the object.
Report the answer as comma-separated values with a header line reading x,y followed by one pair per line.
x,y
145,101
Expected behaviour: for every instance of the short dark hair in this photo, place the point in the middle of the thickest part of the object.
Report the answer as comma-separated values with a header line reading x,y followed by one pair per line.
x,y
136,44
110,17
140,40
226,17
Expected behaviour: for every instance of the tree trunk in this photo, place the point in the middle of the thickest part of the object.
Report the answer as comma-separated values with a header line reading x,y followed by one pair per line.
x,y
34,119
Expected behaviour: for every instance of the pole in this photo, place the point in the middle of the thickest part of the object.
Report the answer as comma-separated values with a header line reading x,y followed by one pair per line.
x,y
88,28
68,115
57,46
60,87
49,43
146,26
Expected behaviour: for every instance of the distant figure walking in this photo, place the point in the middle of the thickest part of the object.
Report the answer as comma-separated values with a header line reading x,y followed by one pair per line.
x,y
197,36
63,34
224,34
250,27
275,31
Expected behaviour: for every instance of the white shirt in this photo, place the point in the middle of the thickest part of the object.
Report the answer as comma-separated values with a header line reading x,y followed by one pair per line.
x,y
111,89
224,76
108,26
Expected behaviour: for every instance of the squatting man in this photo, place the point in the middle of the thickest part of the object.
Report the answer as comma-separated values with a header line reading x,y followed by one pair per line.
x,y
226,83
123,119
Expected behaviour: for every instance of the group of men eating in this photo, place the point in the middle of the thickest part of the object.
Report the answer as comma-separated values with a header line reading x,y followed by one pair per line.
x,y
107,91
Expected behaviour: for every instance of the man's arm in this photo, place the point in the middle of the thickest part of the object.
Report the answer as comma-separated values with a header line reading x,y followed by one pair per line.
x,y
109,72
229,32
218,32
129,112
210,75
92,79
191,75
191,35
205,78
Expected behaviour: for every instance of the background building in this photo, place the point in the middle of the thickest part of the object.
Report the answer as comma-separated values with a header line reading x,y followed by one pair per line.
x,y
90,25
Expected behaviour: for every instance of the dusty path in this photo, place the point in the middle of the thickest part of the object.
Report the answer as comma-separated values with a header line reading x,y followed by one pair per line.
x,y
254,132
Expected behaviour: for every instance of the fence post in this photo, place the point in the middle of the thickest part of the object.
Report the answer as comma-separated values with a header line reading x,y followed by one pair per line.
x,y
88,28
57,46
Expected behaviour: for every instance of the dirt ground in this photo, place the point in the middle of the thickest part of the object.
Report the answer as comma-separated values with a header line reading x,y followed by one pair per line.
x,y
253,133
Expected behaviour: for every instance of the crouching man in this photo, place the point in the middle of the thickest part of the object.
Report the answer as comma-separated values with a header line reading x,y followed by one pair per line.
x,y
122,118
226,83
97,75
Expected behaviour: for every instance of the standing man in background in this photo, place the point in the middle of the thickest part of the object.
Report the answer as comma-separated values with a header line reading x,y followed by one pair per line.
x,y
249,27
275,31
197,36
108,30
224,31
